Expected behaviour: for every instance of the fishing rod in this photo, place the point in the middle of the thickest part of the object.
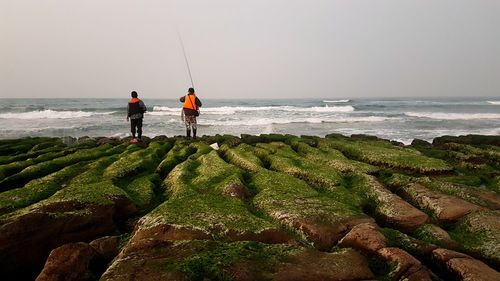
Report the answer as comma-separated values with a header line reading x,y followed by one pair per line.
x,y
185,58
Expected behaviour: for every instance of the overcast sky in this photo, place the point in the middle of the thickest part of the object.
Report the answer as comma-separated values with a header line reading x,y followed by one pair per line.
x,y
250,49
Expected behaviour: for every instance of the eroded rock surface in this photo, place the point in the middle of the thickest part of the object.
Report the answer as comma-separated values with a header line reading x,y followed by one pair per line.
x,y
269,207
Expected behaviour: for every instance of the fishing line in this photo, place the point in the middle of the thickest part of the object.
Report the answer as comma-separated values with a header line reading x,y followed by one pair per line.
x,y
185,58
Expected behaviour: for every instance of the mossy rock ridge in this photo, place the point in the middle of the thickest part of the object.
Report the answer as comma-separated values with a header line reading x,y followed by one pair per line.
x,y
199,208
199,260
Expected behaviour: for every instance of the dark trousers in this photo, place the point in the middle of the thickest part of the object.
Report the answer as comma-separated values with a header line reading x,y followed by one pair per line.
x,y
136,123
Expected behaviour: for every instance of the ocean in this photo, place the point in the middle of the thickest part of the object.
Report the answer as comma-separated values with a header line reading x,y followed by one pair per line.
x,y
396,119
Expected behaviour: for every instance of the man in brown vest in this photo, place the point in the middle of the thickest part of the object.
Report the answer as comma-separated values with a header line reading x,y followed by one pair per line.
x,y
190,110
135,112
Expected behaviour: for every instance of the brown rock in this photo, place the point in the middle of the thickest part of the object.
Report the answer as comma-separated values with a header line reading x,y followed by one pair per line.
x,y
326,235
27,239
107,246
313,265
364,237
444,255
446,208
236,190
472,269
409,268
69,262
464,267
393,210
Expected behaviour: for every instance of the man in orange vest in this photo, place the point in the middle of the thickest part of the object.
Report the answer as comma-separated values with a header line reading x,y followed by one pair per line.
x,y
190,111
135,112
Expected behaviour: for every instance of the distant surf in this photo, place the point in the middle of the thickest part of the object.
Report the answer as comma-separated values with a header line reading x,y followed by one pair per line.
x,y
164,110
453,116
336,101
50,114
494,102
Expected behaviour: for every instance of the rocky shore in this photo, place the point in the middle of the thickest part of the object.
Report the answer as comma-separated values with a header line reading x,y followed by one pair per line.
x,y
268,207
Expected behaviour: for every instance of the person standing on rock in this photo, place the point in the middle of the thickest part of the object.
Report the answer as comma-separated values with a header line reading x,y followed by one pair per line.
x,y
135,113
190,110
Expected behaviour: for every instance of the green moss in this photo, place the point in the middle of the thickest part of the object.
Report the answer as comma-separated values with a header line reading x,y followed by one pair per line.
x,y
142,190
47,167
196,199
179,153
284,159
102,193
479,233
410,244
242,156
432,234
137,161
37,190
286,198
383,153
213,260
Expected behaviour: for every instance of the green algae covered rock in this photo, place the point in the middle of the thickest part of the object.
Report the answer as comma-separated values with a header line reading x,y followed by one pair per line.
x,y
382,153
268,207
479,234
197,203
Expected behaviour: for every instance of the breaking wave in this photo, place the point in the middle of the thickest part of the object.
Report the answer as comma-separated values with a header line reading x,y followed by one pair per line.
x,y
51,114
271,121
453,116
336,101
232,110
494,102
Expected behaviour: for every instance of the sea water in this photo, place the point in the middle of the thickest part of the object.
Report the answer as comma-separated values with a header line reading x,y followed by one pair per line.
x,y
396,119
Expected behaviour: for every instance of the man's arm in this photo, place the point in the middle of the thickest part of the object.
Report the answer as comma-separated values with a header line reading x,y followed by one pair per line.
x,y
198,102
182,99
142,106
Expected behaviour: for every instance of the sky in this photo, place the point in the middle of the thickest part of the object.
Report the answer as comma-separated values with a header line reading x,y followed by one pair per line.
x,y
250,49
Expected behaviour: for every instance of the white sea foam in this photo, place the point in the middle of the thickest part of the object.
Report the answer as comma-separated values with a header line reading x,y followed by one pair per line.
x,y
453,116
494,102
233,110
336,101
277,121
51,114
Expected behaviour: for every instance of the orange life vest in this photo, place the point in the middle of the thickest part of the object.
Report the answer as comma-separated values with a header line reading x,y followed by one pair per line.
x,y
190,102
134,100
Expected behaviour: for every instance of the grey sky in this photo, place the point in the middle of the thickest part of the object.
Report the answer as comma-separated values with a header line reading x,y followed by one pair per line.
x,y
250,49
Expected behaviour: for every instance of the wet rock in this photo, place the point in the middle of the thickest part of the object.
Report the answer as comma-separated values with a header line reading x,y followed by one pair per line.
x,y
104,140
69,262
468,139
314,265
107,246
27,239
445,208
324,234
160,138
408,267
479,235
196,260
390,208
69,140
464,267
364,237
421,143
434,234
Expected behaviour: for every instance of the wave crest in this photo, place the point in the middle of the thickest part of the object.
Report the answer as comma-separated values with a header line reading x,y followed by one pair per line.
x,y
233,110
453,116
51,114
